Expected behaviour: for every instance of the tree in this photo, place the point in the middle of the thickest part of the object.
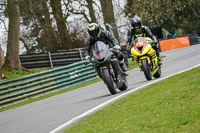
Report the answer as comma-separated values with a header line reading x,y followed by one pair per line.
x,y
91,11
36,17
108,14
61,23
80,9
45,21
12,56
1,57
1,60
2,6
169,14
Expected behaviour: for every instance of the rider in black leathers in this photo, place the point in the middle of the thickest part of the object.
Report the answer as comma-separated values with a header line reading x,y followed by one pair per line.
x,y
96,34
138,30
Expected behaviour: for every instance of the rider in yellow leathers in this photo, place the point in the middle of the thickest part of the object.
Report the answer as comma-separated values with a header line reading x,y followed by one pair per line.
x,y
138,30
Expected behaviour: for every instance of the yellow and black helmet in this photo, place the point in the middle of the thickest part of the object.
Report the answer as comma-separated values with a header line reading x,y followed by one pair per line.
x,y
94,30
136,22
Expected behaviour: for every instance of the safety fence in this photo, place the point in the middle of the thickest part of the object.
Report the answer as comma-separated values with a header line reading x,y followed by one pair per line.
x,y
15,90
58,59
51,60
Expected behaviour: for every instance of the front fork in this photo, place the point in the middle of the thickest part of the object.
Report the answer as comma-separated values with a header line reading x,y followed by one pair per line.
x,y
153,56
110,67
150,57
143,57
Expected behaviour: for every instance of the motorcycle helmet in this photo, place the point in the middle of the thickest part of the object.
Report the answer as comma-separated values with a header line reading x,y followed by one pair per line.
x,y
136,22
94,30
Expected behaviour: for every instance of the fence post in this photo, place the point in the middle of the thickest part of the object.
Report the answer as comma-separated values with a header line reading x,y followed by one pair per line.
x,y
80,54
50,60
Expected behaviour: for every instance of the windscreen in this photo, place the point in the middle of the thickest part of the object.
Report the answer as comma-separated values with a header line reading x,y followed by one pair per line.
x,y
100,49
140,39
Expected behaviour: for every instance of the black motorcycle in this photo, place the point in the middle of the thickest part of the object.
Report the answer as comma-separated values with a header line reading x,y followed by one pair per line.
x,y
104,59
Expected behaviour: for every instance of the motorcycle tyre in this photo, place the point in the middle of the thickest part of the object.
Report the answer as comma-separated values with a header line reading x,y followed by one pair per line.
x,y
109,81
124,86
146,69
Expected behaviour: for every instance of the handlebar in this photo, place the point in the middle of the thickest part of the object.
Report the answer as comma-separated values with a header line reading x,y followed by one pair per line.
x,y
154,42
114,50
90,58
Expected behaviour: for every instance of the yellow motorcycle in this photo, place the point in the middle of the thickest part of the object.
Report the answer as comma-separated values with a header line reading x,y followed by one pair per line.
x,y
146,58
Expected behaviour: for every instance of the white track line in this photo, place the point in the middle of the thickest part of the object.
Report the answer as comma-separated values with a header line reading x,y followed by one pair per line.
x,y
75,119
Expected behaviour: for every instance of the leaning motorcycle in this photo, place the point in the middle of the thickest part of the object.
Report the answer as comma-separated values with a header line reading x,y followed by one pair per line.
x,y
146,57
104,59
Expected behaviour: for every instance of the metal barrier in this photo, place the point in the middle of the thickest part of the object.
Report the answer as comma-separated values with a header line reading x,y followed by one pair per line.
x,y
13,91
47,60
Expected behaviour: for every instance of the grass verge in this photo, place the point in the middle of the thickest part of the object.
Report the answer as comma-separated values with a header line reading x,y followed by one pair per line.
x,y
172,105
17,74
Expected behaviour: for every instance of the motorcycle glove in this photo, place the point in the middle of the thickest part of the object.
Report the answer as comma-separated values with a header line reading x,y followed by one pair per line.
x,y
117,47
88,58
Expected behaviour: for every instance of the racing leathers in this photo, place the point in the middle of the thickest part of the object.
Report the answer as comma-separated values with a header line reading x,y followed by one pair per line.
x,y
108,39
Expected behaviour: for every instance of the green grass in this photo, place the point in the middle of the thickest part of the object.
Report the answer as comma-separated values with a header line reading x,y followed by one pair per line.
x,y
131,64
17,74
170,106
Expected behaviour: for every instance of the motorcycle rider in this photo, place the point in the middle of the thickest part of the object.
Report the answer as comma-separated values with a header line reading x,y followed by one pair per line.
x,y
138,30
97,34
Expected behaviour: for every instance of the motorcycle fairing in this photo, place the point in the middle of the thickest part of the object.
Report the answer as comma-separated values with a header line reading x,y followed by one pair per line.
x,y
101,52
141,46
141,50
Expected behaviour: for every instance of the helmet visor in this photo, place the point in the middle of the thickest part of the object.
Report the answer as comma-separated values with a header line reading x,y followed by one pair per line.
x,y
94,33
137,25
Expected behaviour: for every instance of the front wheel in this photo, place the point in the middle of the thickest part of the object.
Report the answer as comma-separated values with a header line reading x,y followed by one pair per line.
x,y
109,81
146,69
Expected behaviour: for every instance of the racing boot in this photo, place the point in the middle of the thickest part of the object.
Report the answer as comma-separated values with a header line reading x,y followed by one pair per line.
x,y
159,60
123,67
155,61
158,54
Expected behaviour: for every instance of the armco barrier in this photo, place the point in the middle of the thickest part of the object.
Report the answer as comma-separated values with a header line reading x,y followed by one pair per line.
x,y
48,59
13,91
193,38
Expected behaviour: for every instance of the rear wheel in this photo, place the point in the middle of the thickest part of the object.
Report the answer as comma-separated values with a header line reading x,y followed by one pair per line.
x,y
146,69
109,81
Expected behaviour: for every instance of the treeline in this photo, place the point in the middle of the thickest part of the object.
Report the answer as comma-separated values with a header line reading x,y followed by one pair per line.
x,y
49,25
182,16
